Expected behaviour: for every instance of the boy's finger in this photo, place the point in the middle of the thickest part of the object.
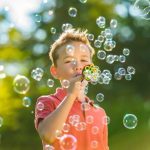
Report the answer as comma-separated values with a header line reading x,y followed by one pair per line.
x,y
77,78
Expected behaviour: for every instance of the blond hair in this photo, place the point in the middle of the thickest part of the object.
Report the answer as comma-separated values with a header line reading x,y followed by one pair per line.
x,y
66,37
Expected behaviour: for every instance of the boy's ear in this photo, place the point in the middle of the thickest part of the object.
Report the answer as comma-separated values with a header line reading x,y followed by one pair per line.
x,y
53,71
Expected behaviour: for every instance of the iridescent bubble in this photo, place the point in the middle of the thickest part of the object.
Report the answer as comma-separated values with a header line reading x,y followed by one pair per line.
x,y
89,119
68,142
72,12
128,76
109,45
100,97
37,18
117,76
86,90
122,58
48,147
70,49
97,43
40,106
106,120
131,70
94,144
26,101
66,127
113,23
1,121
2,73
65,83
122,71
83,1
73,61
110,59
101,38
90,37
53,30
108,34
101,21
95,130
37,74
130,121
50,83
21,84
116,57
140,6
126,51
66,26
101,54
146,13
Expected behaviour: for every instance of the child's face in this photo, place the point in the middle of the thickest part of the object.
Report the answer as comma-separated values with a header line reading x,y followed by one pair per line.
x,y
71,61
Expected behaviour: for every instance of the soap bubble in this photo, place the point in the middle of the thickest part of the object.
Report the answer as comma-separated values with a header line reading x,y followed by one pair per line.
x,y
66,26
65,83
37,18
108,34
100,97
100,38
109,45
83,1
1,121
128,77
90,37
40,106
110,59
122,58
122,71
95,130
97,43
131,70
68,142
66,127
113,23
101,21
50,83
101,54
72,12
70,49
126,51
37,74
26,101
117,76
21,84
89,119
106,120
53,30
146,13
130,121
94,144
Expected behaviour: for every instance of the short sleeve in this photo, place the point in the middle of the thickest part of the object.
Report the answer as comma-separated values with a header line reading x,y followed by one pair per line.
x,y
44,106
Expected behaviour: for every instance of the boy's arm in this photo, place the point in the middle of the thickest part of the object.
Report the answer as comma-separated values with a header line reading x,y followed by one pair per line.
x,y
55,120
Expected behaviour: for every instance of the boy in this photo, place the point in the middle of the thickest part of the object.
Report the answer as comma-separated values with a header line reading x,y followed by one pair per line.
x,y
69,120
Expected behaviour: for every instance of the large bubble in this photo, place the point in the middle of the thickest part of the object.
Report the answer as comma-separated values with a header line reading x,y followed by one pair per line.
x,y
21,84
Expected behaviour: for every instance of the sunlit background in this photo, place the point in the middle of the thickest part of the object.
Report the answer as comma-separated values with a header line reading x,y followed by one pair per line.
x,y
28,28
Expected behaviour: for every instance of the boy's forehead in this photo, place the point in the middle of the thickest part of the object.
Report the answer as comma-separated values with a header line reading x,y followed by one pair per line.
x,y
74,46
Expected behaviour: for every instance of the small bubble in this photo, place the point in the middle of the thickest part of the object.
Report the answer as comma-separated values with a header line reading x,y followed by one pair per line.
x,y
50,83
72,12
83,1
113,23
37,74
128,77
1,121
21,84
101,54
97,43
48,147
122,58
40,106
126,51
65,83
101,21
100,97
37,18
106,120
26,101
130,121
90,37
2,73
100,38
66,127
110,59
53,30
122,71
117,76
70,49
131,70
66,26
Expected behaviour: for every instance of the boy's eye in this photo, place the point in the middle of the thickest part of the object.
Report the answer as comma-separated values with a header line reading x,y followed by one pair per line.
x,y
67,61
84,60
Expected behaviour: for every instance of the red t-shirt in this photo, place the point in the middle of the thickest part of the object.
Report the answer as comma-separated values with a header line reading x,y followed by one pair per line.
x,y
85,122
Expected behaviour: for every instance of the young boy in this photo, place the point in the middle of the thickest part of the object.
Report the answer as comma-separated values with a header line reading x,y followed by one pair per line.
x,y
68,119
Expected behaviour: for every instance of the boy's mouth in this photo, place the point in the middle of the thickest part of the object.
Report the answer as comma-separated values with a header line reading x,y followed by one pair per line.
x,y
78,74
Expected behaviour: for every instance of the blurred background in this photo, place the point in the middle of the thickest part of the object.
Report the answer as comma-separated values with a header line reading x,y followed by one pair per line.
x,y
27,29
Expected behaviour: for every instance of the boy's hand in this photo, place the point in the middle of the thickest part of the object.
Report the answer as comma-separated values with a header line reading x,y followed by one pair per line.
x,y
77,87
